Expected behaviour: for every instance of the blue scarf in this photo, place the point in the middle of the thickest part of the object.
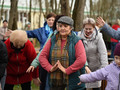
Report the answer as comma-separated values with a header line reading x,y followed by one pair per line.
x,y
48,30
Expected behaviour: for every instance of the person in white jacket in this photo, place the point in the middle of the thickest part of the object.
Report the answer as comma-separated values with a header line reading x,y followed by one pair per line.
x,y
95,49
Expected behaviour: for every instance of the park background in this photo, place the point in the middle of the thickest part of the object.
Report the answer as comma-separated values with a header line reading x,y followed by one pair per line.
x,y
21,12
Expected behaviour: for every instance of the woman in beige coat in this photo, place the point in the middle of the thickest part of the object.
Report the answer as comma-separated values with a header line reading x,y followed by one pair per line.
x,y
95,49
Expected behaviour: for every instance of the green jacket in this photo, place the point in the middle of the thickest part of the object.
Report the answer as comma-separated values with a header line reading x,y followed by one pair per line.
x,y
36,62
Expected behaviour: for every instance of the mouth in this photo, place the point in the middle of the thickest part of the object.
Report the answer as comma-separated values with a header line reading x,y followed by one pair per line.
x,y
62,31
88,34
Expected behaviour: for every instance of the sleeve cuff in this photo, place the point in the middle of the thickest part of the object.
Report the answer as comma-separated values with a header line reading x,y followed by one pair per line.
x,y
48,68
68,71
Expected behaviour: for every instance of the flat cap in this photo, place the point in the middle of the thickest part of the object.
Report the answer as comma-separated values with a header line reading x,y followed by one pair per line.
x,y
66,20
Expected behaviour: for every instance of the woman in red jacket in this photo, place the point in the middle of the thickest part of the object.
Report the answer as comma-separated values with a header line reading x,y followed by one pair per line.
x,y
20,55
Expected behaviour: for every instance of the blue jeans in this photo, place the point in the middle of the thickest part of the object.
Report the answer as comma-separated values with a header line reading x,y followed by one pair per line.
x,y
113,44
2,82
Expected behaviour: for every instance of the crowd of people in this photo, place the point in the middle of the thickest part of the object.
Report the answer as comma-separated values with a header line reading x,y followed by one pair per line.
x,y
67,60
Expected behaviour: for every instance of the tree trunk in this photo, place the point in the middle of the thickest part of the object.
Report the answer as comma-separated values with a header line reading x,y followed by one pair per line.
x,y
1,10
29,14
47,7
71,6
41,12
58,9
13,15
78,14
55,6
91,8
65,9
52,5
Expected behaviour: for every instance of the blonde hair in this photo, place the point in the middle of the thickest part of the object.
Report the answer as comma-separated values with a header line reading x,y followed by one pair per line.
x,y
18,36
89,21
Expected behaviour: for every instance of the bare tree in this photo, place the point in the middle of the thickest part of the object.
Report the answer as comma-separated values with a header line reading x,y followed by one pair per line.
x,y
13,15
78,14
29,14
71,5
47,7
91,8
58,9
52,5
107,11
55,6
65,9
41,12
1,10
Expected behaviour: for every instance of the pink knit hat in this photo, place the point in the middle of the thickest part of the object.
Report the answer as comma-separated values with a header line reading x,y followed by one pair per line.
x,y
117,50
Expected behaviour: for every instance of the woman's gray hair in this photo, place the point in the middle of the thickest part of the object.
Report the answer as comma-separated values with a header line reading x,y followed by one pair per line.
x,y
89,21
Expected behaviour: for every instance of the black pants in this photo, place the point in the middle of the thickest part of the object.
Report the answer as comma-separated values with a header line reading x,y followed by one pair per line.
x,y
96,89
42,76
3,40
25,86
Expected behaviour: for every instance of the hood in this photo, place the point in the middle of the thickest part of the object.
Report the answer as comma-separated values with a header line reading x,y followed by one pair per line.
x,y
95,33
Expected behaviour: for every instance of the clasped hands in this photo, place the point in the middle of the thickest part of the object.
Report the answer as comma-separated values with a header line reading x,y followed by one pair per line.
x,y
58,66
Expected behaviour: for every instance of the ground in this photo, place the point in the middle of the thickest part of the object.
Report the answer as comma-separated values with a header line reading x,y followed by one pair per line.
x,y
34,87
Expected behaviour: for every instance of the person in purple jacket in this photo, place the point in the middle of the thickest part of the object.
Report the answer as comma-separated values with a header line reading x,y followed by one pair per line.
x,y
111,73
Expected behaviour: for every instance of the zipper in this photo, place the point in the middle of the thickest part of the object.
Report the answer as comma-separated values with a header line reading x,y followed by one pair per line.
x,y
18,68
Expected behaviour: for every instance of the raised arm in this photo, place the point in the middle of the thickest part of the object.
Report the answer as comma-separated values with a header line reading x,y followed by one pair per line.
x,y
106,28
33,33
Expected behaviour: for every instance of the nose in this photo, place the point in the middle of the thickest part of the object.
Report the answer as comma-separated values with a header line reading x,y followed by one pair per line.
x,y
62,27
88,31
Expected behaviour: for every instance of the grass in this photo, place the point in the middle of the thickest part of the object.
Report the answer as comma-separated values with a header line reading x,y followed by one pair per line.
x,y
33,86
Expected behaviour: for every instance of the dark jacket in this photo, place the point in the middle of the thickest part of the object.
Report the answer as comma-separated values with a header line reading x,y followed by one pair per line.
x,y
3,58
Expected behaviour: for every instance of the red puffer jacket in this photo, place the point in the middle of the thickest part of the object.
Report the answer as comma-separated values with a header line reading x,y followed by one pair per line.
x,y
18,63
